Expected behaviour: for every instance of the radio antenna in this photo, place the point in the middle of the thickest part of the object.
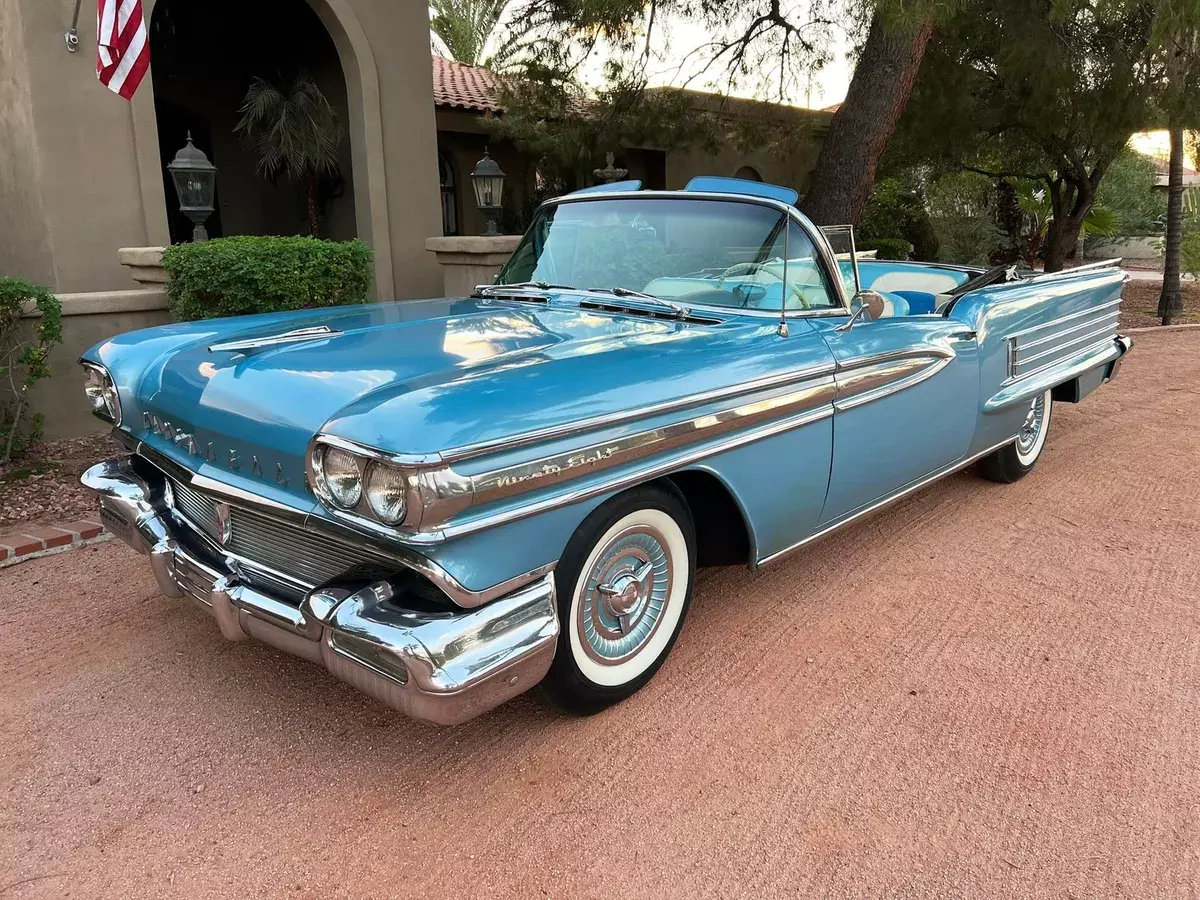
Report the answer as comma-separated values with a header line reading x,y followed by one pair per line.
x,y
787,230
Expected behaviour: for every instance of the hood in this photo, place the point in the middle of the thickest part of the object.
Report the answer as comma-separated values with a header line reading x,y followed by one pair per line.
x,y
413,377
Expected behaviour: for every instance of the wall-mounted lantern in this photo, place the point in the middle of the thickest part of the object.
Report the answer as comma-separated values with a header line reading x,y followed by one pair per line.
x,y
488,181
196,184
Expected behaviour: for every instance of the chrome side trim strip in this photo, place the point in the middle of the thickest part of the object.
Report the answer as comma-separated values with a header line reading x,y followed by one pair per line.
x,y
885,501
567,429
1091,310
644,473
510,480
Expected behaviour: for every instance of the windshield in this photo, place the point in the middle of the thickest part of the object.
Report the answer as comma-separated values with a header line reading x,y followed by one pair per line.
x,y
694,251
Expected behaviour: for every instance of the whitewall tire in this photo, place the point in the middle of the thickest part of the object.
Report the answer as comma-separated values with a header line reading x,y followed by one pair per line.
x,y
1014,461
624,585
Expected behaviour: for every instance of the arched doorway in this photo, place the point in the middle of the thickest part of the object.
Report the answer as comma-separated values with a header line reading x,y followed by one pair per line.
x,y
203,59
749,173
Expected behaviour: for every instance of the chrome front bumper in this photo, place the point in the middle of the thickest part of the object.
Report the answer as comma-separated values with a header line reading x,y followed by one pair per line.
x,y
441,666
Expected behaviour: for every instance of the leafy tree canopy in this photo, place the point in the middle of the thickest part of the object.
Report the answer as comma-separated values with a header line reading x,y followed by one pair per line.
x,y
1048,90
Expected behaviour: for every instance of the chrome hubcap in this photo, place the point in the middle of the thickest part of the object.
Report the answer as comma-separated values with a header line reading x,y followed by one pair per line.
x,y
1032,427
624,595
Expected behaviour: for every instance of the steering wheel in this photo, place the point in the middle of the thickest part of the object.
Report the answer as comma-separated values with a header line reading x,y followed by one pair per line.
x,y
746,268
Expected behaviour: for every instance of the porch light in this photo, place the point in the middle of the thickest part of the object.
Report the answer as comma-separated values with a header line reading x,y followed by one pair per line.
x,y
196,184
487,179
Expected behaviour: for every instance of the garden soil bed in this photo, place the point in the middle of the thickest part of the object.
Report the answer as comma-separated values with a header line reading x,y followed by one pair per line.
x,y
1141,302
41,486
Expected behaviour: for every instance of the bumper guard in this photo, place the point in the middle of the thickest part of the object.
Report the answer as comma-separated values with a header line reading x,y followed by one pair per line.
x,y
443,667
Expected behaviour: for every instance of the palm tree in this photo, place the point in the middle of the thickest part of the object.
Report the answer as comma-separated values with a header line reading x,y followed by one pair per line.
x,y
464,28
296,133
1170,302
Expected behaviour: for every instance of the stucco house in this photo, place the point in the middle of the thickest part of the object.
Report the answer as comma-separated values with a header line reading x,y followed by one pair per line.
x,y
82,172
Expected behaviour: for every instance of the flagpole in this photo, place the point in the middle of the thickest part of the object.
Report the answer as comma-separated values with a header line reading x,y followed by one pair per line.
x,y
72,34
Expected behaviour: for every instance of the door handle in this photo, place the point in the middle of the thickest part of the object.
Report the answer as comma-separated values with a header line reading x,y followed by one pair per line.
x,y
962,335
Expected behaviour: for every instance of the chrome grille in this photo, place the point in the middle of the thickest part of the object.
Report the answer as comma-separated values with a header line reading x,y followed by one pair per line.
x,y
1067,336
298,559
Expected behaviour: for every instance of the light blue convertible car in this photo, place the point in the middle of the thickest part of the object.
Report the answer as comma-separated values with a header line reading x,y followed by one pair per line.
x,y
449,502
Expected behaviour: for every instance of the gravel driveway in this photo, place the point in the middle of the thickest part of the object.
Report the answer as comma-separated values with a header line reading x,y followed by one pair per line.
x,y
986,691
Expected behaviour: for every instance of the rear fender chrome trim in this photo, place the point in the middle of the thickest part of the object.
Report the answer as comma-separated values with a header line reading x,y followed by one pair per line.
x,y
865,379
1026,387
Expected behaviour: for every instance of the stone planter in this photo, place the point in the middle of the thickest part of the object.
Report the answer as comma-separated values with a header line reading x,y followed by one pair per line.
x,y
145,265
470,261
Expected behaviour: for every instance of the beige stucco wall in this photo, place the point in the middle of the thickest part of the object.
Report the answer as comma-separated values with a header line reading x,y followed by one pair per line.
x,y
80,173
60,398
24,240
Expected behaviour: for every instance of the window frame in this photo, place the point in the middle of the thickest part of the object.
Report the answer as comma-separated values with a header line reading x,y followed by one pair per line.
x,y
825,258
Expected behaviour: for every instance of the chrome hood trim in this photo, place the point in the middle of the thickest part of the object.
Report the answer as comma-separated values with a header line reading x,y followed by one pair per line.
x,y
317,332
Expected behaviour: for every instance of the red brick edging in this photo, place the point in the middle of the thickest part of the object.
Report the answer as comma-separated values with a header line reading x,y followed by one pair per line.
x,y
43,540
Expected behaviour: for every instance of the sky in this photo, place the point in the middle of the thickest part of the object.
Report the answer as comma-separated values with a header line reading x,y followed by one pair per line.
x,y
675,39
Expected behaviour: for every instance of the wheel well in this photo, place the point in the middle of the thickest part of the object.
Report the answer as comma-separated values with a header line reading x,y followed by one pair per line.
x,y
722,536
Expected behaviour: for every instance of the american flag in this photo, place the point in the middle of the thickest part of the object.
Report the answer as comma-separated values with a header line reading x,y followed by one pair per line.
x,y
122,47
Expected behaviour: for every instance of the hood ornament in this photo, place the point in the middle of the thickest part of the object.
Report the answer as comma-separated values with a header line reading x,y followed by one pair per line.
x,y
316,333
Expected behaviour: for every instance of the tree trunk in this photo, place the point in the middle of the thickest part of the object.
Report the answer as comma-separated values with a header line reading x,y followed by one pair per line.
x,y
1170,302
314,220
1061,235
862,127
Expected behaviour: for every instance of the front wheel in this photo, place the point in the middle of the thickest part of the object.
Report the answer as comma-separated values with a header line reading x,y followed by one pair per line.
x,y
1014,461
624,585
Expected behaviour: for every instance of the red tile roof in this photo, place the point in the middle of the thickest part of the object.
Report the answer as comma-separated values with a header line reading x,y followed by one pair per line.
x,y
460,86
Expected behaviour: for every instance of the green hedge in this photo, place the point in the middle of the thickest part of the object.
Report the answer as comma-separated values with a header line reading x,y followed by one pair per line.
x,y
236,276
887,248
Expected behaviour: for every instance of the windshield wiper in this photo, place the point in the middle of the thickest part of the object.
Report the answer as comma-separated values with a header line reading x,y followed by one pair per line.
x,y
681,311
484,290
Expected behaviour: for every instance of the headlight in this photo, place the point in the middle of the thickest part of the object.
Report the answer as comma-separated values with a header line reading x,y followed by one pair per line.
x,y
339,473
101,393
385,492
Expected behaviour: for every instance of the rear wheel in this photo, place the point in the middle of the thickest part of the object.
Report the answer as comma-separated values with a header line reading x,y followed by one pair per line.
x,y
1014,461
624,585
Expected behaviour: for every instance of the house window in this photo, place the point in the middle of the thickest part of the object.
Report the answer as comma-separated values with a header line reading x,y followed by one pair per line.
x,y
449,194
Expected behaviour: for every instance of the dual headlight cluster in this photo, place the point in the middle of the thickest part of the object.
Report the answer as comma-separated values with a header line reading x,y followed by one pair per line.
x,y
351,482
101,393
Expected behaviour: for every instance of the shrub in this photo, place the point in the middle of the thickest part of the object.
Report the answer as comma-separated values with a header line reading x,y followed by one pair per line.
x,y
1128,189
24,347
887,248
236,276
1189,254
961,206
897,210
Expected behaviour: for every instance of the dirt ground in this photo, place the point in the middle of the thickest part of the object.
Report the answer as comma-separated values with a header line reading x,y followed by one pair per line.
x,y
987,691
1140,304
41,486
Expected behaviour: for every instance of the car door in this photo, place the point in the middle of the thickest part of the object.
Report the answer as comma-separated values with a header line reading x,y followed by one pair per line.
x,y
906,405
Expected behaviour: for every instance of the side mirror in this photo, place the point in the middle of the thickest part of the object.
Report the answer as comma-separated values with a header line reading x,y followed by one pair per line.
x,y
870,306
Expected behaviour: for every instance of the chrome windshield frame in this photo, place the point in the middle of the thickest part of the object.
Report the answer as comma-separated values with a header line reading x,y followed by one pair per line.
x,y
827,257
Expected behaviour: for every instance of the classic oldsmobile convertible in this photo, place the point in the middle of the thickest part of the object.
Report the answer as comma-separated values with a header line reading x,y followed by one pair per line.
x,y
449,502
